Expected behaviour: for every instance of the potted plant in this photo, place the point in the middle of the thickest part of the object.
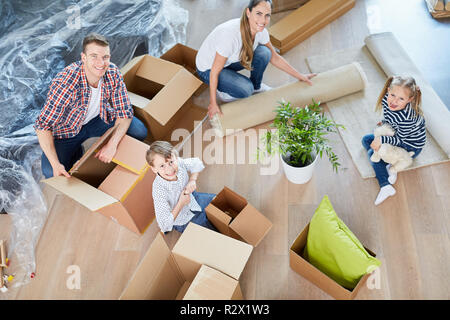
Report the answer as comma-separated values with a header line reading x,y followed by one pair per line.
x,y
300,138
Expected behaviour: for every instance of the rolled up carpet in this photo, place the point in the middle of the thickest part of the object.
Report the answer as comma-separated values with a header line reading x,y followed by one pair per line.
x,y
259,108
394,60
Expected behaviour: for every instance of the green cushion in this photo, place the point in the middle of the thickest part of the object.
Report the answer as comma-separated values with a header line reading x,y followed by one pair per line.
x,y
333,249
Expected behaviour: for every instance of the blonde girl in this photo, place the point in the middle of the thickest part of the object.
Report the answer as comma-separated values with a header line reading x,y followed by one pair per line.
x,y
400,103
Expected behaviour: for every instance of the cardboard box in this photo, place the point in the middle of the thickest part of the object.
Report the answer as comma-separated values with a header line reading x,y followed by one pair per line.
x,y
203,264
185,56
233,216
305,21
161,94
284,5
120,190
317,277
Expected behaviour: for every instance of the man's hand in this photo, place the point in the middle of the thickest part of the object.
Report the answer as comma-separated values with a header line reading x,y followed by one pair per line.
x,y
106,153
190,187
376,144
59,170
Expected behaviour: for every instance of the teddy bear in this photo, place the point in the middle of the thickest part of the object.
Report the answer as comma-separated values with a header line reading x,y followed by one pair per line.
x,y
398,157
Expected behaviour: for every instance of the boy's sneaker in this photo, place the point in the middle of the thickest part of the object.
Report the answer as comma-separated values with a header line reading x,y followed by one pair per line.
x,y
225,97
262,88
385,192
392,175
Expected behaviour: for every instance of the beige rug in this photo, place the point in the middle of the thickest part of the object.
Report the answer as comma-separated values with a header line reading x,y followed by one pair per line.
x,y
356,111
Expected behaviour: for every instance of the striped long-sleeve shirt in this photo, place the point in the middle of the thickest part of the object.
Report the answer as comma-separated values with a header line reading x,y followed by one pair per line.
x,y
408,125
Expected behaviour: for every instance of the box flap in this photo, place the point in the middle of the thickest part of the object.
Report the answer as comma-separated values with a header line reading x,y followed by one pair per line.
x,y
172,97
97,145
156,276
157,70
119,182
210,284
251,225
183,290
74,188
137,100
216,250
130,154
218,218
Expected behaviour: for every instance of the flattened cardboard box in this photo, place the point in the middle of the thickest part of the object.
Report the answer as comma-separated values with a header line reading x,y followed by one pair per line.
x,y
233,216
204,264
305,21
161,94
314,275
120,190
284,5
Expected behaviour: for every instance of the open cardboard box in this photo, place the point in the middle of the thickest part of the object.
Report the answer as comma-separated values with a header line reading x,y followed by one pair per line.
x,y
120,190
161,94
305,21
203,264
314,275
184,56
233,216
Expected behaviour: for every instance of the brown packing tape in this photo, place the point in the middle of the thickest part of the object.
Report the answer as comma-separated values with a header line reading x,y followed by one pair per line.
x,y
316,27
2,254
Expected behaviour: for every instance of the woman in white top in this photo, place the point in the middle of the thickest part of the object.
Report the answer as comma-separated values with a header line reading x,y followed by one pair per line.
x,y
237,44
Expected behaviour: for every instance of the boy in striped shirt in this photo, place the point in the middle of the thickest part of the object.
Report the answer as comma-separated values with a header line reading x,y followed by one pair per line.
x,y
400,102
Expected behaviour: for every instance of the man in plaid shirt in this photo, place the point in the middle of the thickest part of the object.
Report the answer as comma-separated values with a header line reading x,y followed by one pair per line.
x,y
85,99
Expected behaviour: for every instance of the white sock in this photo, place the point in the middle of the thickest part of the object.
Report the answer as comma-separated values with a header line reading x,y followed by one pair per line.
x,y
392,175
385,192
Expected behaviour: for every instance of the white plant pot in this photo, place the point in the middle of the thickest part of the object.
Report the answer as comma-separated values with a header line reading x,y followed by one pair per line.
x,y
299,175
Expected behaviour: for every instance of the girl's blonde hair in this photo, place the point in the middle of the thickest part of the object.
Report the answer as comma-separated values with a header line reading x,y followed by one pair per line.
x,y
162,148
404,82
246,54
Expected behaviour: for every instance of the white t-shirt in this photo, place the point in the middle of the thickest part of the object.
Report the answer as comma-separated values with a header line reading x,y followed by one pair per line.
x,y
94,103
226,40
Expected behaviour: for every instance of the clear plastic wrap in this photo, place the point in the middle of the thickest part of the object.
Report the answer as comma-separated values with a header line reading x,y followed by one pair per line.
x,y
37,40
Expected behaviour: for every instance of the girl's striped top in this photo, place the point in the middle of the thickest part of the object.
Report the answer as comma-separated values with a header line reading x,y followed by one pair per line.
x,y
408,125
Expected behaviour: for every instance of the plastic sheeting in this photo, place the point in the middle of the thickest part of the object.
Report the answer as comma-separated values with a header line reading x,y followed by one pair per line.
x,y
37,40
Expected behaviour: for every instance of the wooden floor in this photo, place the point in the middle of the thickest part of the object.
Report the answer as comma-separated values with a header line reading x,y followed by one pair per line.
x,y
409,232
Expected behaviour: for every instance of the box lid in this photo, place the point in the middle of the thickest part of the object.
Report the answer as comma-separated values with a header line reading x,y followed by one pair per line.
x,y
251,225
211,284
131,154
173,96
156,276
87,195
216,250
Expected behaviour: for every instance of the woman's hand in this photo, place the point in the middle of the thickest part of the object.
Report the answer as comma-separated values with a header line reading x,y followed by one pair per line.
x,y
376,144
213,108
307,78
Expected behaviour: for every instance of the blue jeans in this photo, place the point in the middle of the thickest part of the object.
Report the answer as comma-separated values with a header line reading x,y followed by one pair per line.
x,y
236,84
69,150
381,172
203,199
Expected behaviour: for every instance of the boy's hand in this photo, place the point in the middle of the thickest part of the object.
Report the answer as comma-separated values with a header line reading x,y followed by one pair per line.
x,y
376,144
185,198
191,186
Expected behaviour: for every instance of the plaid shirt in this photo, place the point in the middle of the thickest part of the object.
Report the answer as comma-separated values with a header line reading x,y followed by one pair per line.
x,y
68,101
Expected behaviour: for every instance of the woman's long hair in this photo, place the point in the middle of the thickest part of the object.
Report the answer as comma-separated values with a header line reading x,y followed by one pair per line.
x,y
246,54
